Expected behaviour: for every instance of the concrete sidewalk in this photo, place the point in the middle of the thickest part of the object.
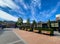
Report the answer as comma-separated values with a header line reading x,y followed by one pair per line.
x,y
35,38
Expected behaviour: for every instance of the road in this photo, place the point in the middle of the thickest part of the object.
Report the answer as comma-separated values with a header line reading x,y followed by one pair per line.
x,y
7,36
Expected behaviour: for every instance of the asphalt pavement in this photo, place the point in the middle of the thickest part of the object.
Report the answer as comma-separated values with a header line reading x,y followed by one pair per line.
x,y
56,34
7,36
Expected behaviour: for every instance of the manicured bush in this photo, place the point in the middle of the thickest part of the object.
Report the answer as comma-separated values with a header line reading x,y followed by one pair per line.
x,y
45,29
29,29
37,28
48,29
26,28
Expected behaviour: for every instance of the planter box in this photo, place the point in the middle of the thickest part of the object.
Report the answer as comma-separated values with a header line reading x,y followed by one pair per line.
x,y
25,29
36,31
45,32
28,29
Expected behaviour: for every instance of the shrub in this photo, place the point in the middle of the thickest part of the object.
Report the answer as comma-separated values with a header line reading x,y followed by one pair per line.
x,y
45,29
48,29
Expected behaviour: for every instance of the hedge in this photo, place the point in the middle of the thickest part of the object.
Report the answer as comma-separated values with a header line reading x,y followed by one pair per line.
x,y
45,29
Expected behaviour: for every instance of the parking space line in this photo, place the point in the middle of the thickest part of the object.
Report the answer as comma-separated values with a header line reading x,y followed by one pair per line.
x,y
20,37
14,42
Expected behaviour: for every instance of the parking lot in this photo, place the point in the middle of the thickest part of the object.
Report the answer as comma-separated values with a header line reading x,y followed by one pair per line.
x,y
16,36
7,36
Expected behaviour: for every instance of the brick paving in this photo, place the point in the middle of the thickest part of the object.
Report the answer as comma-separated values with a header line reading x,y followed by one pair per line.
x,y
35,38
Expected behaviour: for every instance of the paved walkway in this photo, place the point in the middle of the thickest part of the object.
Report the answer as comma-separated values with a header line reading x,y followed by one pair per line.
x,y
34,38
7,36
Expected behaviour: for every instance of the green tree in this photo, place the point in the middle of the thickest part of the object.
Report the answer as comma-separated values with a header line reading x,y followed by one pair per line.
x,y
33,25
27,24
49,23
0,22
28,21
20,21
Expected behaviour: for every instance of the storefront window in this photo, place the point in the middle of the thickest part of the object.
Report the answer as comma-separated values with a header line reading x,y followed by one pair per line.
x,y
54,24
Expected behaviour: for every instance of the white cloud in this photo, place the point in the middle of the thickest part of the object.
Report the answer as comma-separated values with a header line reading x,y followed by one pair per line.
x,y
55,9
24,21
33,5
7,16
12,5
8,3
48,13
33,13
58,15
24,5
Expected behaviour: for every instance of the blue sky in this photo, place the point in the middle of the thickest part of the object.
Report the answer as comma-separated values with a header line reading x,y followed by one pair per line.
x,y
38,10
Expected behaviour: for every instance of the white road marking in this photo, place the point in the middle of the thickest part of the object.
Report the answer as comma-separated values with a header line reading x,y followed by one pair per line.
x,y
20,38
